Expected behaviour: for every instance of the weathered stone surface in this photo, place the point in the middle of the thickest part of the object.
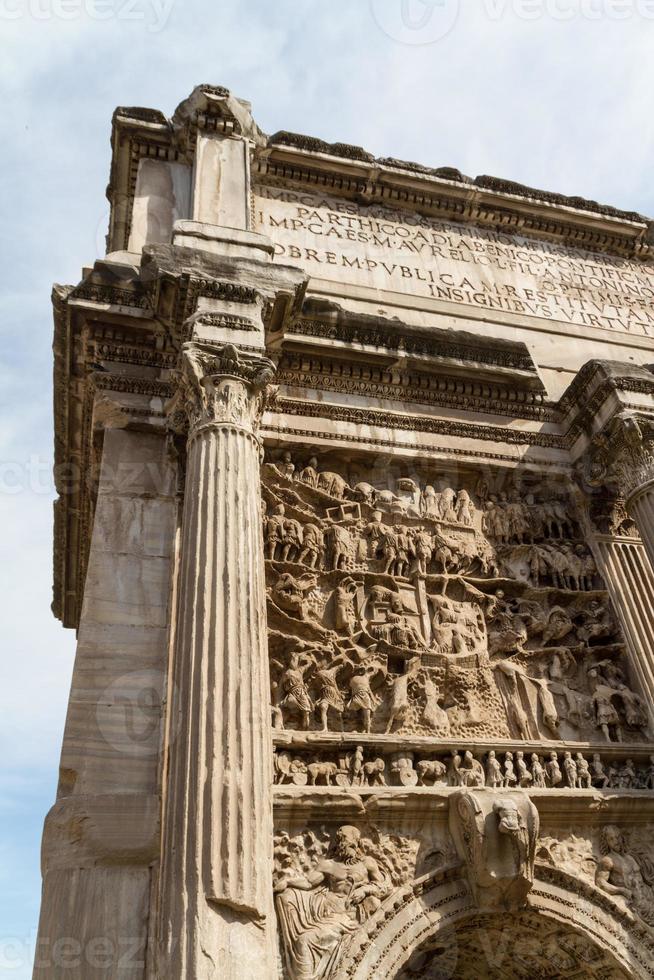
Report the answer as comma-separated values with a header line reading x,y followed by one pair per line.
x,y
355,523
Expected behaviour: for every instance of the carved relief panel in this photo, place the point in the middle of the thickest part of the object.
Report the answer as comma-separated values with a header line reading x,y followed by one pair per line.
x,y
426,605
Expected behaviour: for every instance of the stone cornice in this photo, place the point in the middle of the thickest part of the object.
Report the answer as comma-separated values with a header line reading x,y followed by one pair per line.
x,y
352,172
400,420
403,384
597,806
485,202
496,184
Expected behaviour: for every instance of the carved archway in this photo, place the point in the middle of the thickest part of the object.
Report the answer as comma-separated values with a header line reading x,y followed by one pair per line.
x,y
583,925
519,946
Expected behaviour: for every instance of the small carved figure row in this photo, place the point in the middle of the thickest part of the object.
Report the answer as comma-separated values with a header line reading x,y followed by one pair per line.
x,y
523,520
567,770
505,518
401,551
396,549
562,566
408,499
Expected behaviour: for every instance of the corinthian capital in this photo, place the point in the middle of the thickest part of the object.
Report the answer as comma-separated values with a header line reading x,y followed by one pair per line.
x,y
220,385
623,453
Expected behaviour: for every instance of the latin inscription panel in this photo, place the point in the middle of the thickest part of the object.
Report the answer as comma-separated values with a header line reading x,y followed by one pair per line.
x,y
404,252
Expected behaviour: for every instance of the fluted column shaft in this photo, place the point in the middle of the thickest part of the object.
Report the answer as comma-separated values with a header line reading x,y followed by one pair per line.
x,y
622,457
217,878
641,508
628,574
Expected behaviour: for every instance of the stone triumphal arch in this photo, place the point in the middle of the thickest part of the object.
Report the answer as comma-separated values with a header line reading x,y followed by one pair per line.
x,y
355,526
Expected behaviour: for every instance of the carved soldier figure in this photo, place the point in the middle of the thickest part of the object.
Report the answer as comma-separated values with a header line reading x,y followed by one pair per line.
x,y
598,773
464,508
510,778
447,508
517,520
341,545
537,772
606,716
570,770
534,518
291,539
356,767
614,775
293,685
274,530
374,534
447,634
344,593
503,519
329,696
494,774
553,770
584,779
424,548
490,520
403,552
309,474
361,696
522,772
471,770
389,550
507,632
538,566
312,546
558,566
400,632
286,466
598,623
430,503
399,694
627,778
454,777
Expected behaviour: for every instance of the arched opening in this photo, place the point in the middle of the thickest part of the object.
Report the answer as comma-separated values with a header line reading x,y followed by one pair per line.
x,y
433,930
515,946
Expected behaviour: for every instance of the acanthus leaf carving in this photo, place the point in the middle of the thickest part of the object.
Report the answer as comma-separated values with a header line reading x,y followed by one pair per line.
x,y
220,384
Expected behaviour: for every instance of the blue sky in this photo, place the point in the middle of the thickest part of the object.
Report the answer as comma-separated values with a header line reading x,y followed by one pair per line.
x,y
556,94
